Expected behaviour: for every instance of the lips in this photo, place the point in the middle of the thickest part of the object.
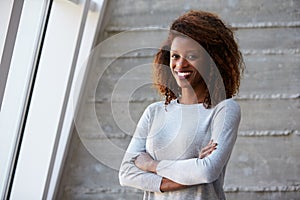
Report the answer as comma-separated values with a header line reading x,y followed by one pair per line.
x,y
183,74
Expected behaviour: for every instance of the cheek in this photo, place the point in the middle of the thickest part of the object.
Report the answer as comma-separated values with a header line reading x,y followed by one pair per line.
x,y
171,63
202,67
171,70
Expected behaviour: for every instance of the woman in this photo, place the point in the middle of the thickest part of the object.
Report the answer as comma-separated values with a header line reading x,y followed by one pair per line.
x,y
181,146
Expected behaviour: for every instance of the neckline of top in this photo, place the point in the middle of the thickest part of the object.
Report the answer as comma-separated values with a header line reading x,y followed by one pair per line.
x,y
177,103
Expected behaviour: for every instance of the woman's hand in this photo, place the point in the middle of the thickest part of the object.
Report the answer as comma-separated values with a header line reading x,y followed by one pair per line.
x,y
146,163
208,149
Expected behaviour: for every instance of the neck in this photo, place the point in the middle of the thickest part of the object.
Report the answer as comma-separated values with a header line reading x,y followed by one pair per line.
x,y
192,95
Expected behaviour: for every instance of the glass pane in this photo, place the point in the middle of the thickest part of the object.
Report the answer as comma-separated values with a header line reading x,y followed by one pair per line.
x,y
16,89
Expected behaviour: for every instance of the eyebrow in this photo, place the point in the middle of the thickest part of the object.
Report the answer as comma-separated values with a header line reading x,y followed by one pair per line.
x,y
188,51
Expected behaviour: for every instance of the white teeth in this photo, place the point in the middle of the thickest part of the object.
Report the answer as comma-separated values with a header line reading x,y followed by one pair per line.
x,y
184,73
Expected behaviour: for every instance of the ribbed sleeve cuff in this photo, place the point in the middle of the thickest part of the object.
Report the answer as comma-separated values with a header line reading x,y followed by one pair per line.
x,y
154,184
161,168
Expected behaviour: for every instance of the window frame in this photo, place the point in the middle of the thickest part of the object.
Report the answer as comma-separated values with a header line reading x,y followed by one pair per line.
x,y
47,127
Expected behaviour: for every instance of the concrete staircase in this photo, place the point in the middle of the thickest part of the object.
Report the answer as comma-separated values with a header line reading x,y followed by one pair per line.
x,y
265,163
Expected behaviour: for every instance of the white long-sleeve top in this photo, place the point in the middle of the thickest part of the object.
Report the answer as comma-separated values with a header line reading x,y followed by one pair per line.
x,y
175,138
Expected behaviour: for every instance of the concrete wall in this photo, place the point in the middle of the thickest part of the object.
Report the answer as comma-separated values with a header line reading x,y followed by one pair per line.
x,y
265,163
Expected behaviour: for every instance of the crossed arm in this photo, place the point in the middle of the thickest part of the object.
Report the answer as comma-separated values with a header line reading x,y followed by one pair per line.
x,y
140,171
146,163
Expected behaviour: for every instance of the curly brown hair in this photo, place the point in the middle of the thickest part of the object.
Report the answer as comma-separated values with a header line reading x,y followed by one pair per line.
x,y
219,42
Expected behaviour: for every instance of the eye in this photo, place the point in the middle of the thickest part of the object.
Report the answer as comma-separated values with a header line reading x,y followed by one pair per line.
x,y
192,57
175,56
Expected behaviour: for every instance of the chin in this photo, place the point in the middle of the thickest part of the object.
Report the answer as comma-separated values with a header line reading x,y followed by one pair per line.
x,y
183,84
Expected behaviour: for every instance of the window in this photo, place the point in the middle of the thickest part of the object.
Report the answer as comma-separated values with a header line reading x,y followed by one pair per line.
x,y
51,44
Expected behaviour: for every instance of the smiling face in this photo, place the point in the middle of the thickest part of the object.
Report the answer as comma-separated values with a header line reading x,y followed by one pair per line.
x,y
187,61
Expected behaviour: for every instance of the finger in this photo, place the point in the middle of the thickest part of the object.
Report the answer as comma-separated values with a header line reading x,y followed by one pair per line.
x,y
206,147
209,146
208,151
203,153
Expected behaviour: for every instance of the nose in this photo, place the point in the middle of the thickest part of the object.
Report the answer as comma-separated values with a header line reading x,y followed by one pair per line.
x,y
181,62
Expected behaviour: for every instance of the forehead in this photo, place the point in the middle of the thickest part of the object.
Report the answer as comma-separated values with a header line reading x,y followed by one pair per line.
x,y
181,43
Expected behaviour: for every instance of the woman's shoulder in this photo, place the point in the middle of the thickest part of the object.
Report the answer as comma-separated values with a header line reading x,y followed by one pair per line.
x,y
158,105
228,110
229,104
